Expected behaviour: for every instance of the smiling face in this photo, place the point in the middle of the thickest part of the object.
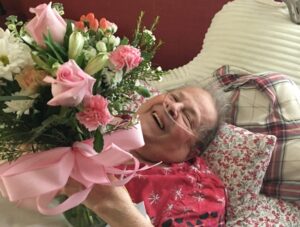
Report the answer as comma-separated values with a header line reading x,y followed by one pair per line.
x,y
169,123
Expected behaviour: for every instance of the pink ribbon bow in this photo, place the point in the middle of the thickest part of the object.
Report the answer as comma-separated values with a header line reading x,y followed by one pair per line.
x,y
34,179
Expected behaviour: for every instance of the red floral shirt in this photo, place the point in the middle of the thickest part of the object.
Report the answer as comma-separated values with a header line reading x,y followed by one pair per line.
x,y
185,194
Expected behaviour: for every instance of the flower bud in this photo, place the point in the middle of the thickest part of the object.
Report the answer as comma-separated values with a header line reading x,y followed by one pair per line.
x,y
101,46
76,42
55,67
96,64
105,40
117,41
111,39
114,28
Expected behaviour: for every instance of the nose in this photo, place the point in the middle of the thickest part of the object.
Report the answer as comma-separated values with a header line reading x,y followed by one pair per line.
x,y
173,108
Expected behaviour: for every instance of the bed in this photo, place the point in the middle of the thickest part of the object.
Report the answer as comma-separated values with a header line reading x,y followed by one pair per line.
x,y
252,49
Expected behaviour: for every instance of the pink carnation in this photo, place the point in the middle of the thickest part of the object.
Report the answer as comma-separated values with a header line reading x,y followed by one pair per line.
x,y
95,112
125,55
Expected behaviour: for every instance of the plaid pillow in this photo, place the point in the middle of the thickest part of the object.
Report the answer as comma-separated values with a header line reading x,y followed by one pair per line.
x,y
269,103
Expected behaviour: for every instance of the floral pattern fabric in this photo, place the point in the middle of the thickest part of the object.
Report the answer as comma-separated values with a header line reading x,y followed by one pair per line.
x,y
240,158
269,212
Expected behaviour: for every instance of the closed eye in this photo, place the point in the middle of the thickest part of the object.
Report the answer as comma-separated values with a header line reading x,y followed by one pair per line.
x,y
174,97
187,120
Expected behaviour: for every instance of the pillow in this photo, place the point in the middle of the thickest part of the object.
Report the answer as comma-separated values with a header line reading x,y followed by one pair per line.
x,y
269,212
247,34
270,104
240,158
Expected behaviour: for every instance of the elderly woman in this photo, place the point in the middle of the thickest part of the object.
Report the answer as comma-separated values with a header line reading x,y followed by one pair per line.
x,y
181,191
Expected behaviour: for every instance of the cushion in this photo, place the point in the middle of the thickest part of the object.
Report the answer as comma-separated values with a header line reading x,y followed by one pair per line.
x,y
269,103
269,212
248,34
240,158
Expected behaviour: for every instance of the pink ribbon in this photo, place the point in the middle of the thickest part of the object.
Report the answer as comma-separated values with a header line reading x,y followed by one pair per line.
x,y
34,179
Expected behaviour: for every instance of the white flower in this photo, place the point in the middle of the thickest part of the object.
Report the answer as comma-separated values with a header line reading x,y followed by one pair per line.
x,y
148,32
14,55
105,39
149,37
101,46
114,28
117,41
111,39
20,107
112,78
89,53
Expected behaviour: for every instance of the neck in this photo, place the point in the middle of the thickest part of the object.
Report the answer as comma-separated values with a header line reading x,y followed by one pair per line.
x,y
138,155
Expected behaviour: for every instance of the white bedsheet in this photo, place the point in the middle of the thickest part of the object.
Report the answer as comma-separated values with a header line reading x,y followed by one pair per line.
x,y
12,216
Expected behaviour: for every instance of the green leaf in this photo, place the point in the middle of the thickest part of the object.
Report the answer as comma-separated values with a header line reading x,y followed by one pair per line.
x,y
80,60
52,47
9,98
40,63
98,141
69,31
46,124
61,50
143,91
124,41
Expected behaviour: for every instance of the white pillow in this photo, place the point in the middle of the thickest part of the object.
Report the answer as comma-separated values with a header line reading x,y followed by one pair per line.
x,y
247,34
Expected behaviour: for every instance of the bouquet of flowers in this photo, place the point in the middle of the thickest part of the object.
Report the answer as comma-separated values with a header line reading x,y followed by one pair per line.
x,y
69,86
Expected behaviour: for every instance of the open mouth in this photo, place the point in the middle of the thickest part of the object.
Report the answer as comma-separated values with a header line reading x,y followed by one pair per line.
x,y
158,121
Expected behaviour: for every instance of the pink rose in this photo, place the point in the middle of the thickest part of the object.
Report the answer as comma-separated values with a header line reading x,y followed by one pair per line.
x,y
71,85
95,112
125,55
46,20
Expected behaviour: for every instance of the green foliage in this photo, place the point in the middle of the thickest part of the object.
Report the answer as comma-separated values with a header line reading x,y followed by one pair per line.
x,y
39,126
86,217
47,126
98,141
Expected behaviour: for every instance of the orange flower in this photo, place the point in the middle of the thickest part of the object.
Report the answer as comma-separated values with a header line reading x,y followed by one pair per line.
x,y
94,24
90,17
31,79
79,25
90,20
107,26
104,24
